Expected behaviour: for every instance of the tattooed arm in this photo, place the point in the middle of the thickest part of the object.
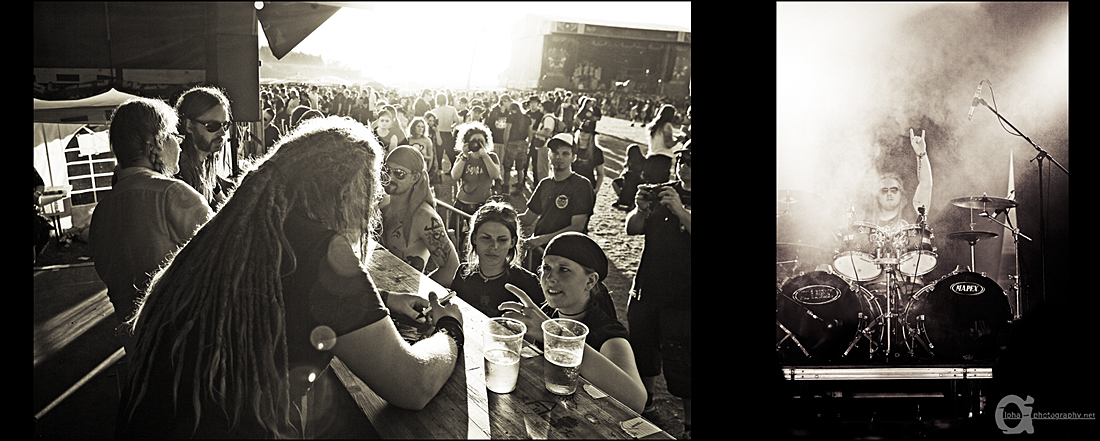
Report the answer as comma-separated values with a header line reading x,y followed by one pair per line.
x,y
440,248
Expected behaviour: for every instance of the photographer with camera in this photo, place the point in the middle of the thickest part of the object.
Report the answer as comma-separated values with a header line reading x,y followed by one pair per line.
x,y
475,167
659,311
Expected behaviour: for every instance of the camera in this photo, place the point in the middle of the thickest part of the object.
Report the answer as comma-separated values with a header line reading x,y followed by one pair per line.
x,y
653,189
474,145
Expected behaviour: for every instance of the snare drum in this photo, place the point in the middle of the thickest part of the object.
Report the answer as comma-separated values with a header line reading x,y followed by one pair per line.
x,y
824,314
959,317
857,249
916,255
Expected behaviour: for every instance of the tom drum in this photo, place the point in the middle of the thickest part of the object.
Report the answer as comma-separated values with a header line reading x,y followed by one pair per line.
x,y
916,255
857,247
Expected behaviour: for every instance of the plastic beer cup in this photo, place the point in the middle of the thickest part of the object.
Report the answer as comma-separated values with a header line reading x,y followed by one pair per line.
x,y
563,347
503,340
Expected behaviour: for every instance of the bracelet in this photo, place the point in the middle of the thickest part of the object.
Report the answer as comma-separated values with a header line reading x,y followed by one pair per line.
x,y
450,327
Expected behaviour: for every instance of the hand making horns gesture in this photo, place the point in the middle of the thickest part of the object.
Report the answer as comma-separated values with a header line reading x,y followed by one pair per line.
x,y
527,312
918,142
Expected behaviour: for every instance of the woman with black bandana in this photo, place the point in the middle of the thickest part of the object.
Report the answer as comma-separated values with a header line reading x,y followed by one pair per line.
x,y
572,273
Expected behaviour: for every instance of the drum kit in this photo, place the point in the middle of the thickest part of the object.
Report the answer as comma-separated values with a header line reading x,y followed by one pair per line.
x,y
855,294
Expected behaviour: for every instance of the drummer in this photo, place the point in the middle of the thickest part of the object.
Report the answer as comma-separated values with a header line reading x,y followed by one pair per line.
x,y
888,211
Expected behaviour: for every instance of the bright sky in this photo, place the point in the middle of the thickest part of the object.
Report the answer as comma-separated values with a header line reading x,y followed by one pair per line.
x,y
433,43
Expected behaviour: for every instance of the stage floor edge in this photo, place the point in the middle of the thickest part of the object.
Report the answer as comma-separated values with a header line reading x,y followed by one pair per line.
x,y
863,372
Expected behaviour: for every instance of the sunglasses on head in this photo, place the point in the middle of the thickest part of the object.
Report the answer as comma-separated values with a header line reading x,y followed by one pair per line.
x,y
213,126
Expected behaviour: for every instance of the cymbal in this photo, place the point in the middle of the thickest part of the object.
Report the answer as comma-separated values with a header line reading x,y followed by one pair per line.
x,y
972,236
795,196
984,202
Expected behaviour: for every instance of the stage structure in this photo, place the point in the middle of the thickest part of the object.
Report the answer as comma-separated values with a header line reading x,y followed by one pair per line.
x,y
90,56
551,52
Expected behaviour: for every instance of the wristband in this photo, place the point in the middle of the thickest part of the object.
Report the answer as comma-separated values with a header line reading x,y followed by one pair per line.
x,y
450,327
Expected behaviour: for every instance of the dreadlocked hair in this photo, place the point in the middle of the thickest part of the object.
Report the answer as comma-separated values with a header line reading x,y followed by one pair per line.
x,y
219,299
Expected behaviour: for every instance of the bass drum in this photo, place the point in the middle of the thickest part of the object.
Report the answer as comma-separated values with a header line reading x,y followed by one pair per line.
x,y
819,315
959,317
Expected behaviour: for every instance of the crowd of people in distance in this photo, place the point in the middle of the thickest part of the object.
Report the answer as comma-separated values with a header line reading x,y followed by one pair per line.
x,y
220,284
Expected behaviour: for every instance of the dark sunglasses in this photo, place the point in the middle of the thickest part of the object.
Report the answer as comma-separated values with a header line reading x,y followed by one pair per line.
x,y
213,126
395,172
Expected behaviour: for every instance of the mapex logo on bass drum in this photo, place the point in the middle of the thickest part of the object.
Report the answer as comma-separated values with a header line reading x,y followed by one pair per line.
x,y
816,294
967,288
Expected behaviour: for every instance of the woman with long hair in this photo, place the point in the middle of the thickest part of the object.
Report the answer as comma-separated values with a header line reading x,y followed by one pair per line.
x,y
493,260
418,137
388,129
235,328
659,159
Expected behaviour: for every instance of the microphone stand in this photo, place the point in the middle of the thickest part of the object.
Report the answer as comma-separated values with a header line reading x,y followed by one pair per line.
x,y
1042,208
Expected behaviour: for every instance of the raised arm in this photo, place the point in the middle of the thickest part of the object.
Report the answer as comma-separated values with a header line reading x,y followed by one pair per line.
x,y
922,196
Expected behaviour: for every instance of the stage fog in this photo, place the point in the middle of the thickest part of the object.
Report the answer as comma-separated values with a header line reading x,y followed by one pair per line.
x,y
853,79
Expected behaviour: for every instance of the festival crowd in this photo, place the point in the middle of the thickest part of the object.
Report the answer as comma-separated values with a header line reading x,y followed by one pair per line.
x,y
214,314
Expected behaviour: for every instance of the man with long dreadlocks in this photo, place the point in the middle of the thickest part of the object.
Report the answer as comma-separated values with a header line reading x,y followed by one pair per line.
x,y
232,333
411,228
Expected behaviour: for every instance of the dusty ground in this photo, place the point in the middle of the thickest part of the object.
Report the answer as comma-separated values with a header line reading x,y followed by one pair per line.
x,y
607,227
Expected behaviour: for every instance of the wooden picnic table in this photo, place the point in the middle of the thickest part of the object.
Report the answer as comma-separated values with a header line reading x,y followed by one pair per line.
x,y
464,408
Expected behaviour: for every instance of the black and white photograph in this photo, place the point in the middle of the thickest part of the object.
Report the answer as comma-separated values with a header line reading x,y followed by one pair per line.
x,y
924,283
362,220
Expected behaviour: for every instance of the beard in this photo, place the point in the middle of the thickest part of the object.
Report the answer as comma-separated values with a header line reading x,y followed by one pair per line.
x,y
212,146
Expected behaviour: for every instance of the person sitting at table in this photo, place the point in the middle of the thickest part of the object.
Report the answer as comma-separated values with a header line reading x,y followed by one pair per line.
x,y
572,273
493,261
411,228
234,329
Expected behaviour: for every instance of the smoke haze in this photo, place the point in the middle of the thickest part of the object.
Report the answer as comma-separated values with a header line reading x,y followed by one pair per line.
x,y
852,79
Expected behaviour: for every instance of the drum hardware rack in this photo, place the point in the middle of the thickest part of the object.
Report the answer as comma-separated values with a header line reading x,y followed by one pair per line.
x,y
841,304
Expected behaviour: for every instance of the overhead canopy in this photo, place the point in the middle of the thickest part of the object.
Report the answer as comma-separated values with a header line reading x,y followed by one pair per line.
x,y
92,110
288,23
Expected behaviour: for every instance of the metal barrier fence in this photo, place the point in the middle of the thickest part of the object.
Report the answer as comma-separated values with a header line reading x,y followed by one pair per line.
x,y
457,222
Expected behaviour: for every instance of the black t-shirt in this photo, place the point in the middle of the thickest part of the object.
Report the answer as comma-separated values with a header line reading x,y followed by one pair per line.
x,y
664,272
497,120
314,295
556,202
602,325
585,165
520,123
487,295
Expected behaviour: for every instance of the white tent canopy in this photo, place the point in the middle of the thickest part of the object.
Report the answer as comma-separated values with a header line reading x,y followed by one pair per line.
x,y
92,110
55,123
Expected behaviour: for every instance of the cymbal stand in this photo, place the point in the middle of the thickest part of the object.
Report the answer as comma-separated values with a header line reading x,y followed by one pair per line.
x,y
1016,235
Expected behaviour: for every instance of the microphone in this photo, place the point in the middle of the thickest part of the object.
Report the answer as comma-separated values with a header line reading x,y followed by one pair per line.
x,y
974,103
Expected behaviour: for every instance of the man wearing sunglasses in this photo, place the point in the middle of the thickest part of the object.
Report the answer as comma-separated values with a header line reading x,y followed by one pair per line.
x,y
888,209
411,228
204,120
